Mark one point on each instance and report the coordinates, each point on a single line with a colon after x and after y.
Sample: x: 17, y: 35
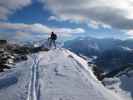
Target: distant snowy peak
x: 93, y: 46
x: 127, y: 49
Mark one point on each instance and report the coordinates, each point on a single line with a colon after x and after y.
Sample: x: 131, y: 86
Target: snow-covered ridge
x: 54, y: 75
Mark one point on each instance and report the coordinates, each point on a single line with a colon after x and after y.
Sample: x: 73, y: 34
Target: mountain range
x: 110, y: 53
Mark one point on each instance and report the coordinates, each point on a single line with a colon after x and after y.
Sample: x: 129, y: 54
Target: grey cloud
x: 9, y: 6
x: 113, y: 13
x: 23, y: 30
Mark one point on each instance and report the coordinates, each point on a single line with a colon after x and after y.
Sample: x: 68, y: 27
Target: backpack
x: 53, y: 36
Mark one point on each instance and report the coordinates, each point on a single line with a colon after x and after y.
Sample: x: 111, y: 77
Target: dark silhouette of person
x: 52, y: 39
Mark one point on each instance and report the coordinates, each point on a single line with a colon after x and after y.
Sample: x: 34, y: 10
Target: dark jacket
x: 53, y: 36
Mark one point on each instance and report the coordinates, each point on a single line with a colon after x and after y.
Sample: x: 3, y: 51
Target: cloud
x: 9, y: 6
x: 68, y: 30
x: 37, y: 29
x: 116, y: 14
x: 130, y: 33
x: 96, y: 25
x: 53, y: 18
x: 93, y: 24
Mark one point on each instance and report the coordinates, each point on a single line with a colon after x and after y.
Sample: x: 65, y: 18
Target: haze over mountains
x: 110, y: 53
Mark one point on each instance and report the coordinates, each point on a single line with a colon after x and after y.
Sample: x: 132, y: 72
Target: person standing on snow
x: 52, y: 39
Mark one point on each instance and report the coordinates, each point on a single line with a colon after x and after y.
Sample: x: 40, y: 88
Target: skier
x: 52, y: 39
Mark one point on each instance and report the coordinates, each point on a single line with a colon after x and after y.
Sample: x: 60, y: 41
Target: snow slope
x: 55, y: 75
x: 122, y: 85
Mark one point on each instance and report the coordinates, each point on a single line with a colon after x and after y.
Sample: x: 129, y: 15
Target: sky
x: 35, y: 19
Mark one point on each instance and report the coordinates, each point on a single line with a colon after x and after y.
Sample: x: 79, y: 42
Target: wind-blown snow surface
x: 122, y: 85
x: 55, y: 75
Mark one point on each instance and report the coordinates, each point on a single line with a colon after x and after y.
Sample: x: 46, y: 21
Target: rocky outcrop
x: 13, y: 53
x: 6, y: 60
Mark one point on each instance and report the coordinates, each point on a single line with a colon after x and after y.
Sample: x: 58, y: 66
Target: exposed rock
x: 3, y: 42
x: 98, y: 73
x: 11, y: 53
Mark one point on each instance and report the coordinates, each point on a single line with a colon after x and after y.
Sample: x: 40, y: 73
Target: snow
x: 14, y: 82
x: 121, y: 85
x: 127, y: 48
x: 54, y: 75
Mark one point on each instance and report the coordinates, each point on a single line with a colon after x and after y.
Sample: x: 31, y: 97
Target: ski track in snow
x: 34, y: 87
